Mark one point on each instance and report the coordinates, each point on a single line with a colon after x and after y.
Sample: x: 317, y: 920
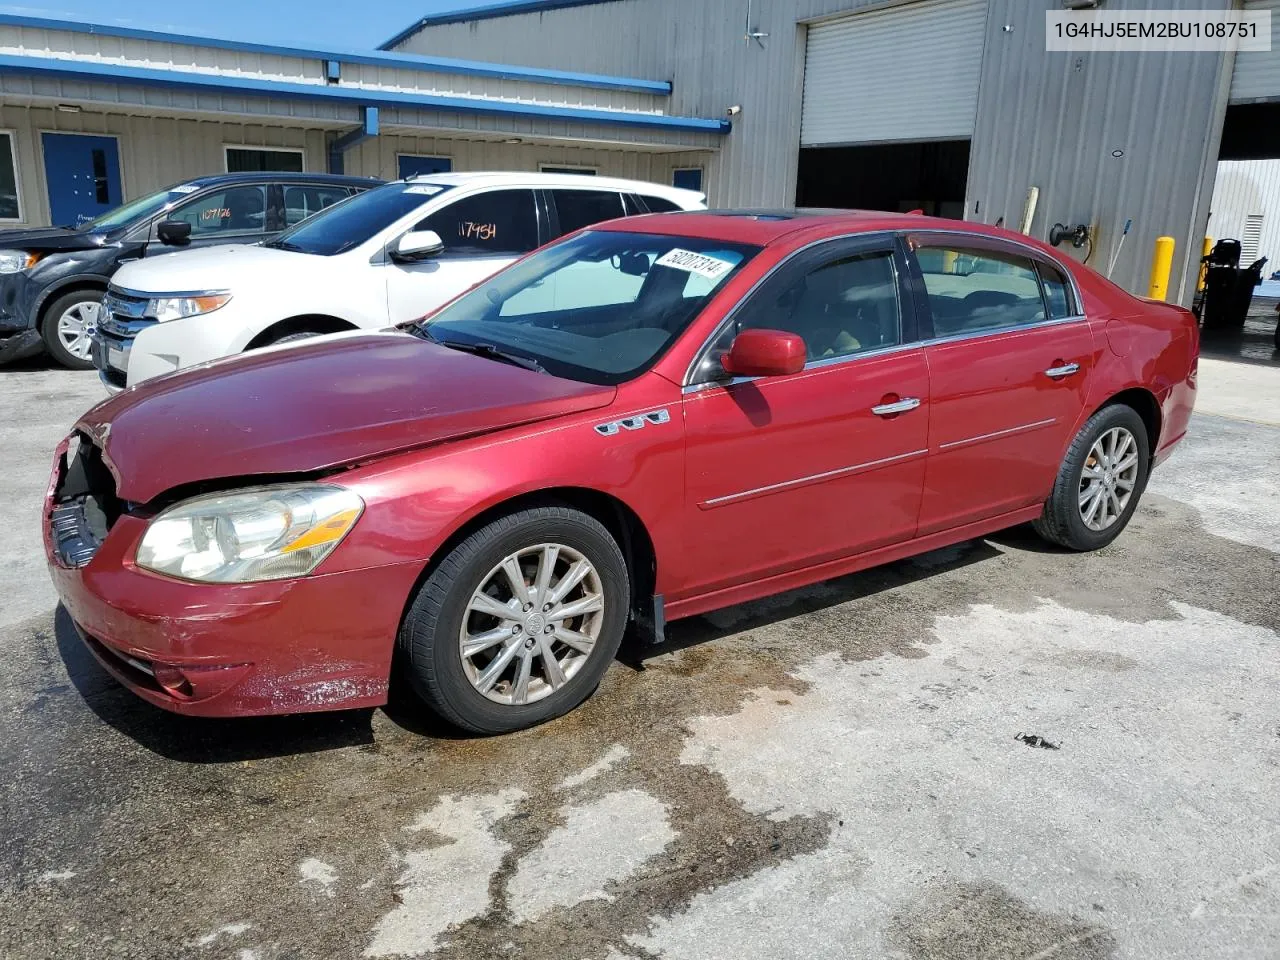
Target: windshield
x: 140, y: 209
x: 600, y: 307
x: 349, y: 223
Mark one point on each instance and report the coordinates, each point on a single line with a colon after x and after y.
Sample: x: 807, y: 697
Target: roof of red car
x: 763, y: 227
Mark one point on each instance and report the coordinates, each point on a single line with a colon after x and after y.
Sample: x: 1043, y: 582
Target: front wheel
x: 519, y: 622
x: 1100, y: 482
x: 69, y: 327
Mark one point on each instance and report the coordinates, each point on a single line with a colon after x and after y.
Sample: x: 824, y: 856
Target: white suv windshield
x: 600, y: 307
x: 349, y: 223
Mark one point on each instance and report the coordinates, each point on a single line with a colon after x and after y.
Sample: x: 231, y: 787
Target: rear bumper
x: 228, y: 650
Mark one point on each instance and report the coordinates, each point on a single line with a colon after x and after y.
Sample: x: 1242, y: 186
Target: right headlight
x: 193, y: 305
x: 15, y: 261
x: 264, y: 533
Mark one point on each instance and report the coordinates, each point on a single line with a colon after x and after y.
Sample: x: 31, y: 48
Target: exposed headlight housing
x: 264, y: 533
x: 187, y: 305
x: 15, y: 261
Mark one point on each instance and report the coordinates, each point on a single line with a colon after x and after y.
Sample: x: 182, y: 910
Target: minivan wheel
x: 69, y: 326
x: 1100, y: 482
x: 519, y: 622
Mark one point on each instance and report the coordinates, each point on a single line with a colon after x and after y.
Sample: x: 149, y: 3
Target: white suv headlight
x: 15, y: 261
x: 264, y: 533
x: 190, y: 305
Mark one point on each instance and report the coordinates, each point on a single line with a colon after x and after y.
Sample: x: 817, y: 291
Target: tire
x: 431, y: 636
x: 1064, y: 520
x: 82, y: 305
x: 293, y: 337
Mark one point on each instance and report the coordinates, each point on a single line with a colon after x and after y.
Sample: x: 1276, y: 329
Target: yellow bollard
x: 1204, y: 267
x: 1161, y: 266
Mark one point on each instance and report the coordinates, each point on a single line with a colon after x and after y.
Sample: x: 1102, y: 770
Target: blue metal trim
x: 406, y: 61
x: 185, y: 80
x: 501, y: 8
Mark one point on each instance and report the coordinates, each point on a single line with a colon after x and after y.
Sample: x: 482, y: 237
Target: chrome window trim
x: 1034, y: 252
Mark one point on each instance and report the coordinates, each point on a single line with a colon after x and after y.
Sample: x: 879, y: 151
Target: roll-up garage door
x: 904, y: 73
x: 1257, y: 74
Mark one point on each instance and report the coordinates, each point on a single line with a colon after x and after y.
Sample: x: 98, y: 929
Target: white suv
x: 383, y: 257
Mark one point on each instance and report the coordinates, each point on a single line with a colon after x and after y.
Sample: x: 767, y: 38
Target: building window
x: 410, y: 165
x: 579, y: 171
x: 260, y: 159
x: 10, y: 201
x: 689, y: 178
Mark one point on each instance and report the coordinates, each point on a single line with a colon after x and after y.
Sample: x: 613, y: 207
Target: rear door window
x: 583, y: 208
x: 301, y: 200
x: 977, y: 290
x: 494, y: 223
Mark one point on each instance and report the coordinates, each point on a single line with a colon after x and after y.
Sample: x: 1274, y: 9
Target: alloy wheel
x: 77, y: 326
x: 1108, y: 479
x: 531, y: 624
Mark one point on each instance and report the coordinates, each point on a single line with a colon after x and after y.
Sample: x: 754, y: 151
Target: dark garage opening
x: 1251, y: 132
x: 900, y: 177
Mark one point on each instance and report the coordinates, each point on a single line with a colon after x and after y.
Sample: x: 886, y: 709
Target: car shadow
x: 212, y: 741
x: 694, y: 631
x: 197, y: 739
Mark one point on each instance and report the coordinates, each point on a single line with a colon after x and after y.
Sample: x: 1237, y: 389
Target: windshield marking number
x: 637, y: 422
x: 477, y: 231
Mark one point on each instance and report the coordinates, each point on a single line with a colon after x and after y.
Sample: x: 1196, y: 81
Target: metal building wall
x: 377, y: 157
x: 1056, y: 120
x: 697, y: 45
x: 154, y: 151
x: 1045, y: 120
x: 1246, y: 187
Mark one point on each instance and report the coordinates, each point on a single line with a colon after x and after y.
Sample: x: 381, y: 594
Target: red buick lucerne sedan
x: 643, y: 421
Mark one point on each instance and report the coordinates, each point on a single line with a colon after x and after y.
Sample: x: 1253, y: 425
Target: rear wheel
x: 1100, y: 482
x: 519, y: 622
x: 69, y: 326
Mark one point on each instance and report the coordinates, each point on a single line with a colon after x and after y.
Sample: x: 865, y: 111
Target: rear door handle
x: 900, y: 406
x: 1066, y: 370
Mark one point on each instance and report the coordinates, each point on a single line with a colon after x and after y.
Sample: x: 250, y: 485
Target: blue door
x: 83, y: 174
x: 413, y: 166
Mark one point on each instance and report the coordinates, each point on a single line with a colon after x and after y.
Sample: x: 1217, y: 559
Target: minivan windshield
x: 141, y: 209
x: 600, y: 307
x: 351, y: 222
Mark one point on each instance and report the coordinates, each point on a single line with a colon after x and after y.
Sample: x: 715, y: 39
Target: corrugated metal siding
x: 1246, y: 188
x: 700, y: 47
x: 1054, y: 120
x: 933, y: 52
x: 151, y: 54
x: 377, y: 157
x: 154, y: 151
x: 1257, y: 74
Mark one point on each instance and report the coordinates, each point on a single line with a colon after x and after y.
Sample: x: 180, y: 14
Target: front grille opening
x: 113, y: 376
x: 85, y: 505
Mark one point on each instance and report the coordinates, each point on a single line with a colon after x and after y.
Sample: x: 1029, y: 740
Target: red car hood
x: 315, y: 406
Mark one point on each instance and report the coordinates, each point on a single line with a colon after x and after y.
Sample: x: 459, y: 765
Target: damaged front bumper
x: 322, y: 642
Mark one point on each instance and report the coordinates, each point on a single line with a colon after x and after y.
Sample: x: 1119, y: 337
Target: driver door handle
x: 1066, y: 370
x: 900, y: 406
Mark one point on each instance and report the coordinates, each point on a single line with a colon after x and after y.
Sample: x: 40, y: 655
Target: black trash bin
x: 1228, y: 287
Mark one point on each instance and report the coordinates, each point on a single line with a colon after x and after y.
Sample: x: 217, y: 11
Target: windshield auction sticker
x: 690, y: 262
x: 1150, y: 31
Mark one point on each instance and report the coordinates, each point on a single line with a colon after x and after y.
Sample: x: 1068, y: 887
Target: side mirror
x: 174, y: 233
x: 765, y: 353
x: 417, y: 245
